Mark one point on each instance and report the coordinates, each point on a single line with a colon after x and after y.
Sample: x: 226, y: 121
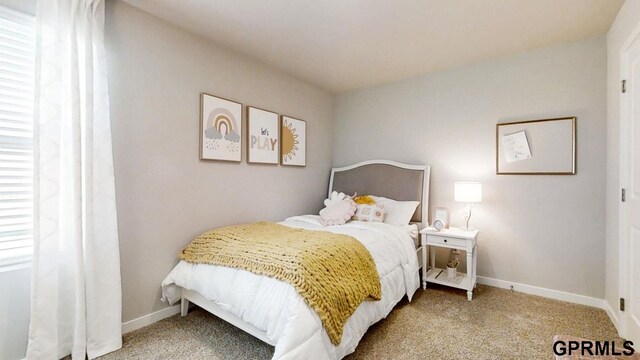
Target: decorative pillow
x: 339, y: 209
x: 364, y: 200
x: 396, y: 212
x: 334, y: 198
x: 370, y: 213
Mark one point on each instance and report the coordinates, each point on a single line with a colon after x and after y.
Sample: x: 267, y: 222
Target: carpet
x: 438, y: 324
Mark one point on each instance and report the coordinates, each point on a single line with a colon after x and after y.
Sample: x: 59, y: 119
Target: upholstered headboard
x: 386, y: 178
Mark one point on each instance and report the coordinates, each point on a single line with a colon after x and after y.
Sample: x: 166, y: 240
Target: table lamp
x: 467, y: 192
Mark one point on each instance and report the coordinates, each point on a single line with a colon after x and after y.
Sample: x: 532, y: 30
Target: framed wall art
x: 441, y: 214
x: 536, y: 147
x: 220, y: 129
x: 294, y: 141
x: 263, y: 136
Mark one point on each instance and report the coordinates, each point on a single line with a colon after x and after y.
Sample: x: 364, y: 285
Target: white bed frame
x: 210, y: 306
x: 215, y: 309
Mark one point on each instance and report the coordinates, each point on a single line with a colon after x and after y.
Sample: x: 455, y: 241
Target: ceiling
x: 340, y: 45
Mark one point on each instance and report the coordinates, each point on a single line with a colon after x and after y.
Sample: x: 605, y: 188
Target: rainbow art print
x: 220, y: 129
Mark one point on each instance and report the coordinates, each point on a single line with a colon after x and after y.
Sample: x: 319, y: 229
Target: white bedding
x: 276, y: 308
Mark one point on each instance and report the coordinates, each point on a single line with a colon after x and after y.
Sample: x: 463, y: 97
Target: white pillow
x: 396, y: 212
x: 412, y: 230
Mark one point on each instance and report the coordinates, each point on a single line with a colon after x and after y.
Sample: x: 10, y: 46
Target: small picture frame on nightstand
x: 441, y: 214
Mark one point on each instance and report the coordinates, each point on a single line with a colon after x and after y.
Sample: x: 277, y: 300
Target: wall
x: 627, y: 23
x: 15, y: 287
x: 544, y: 231
x: 165, y: 195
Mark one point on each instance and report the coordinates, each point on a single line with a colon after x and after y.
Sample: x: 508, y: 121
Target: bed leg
x: 184, y: 307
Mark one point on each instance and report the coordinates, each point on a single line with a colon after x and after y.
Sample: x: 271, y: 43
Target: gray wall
x: 15, y: 287
x: 545, y: 231
x: 626, y: 25
x: 165, y: 195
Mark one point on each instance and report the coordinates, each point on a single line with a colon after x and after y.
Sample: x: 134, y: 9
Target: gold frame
x: 202, y: 94
x: 278, y: 126
x: 305, y: 141
x: 573, y: 145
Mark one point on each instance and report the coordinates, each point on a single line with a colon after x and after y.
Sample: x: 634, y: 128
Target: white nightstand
x: 452, y: 238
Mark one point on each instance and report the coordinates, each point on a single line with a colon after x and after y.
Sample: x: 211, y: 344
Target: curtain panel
x: 76, y: 300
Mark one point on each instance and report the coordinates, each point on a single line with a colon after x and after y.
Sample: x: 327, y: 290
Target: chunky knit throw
x: 334, y: 273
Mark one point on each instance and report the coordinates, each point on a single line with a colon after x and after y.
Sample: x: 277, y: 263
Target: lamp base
x: 467, y: 218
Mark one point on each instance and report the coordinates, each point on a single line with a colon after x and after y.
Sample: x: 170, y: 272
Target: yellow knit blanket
x: 334, y: 273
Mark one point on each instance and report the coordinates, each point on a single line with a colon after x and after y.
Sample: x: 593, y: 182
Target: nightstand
x: 452, y: 238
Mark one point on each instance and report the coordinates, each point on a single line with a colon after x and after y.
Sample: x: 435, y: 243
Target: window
x: 17, y: 67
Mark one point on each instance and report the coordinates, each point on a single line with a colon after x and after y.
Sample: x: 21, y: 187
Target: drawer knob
x: 445, y: 240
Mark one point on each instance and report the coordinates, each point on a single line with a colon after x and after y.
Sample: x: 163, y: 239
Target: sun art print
x: 289, y: 140
x: 293, y: 141
x: 221, y: 129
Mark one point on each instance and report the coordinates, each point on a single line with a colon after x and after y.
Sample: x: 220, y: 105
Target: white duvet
x: 276, y: 308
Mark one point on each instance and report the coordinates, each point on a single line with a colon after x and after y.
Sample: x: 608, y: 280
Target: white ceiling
x: 341, y: 45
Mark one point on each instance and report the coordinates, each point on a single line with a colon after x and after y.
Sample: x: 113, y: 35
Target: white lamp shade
x: 467, y: 192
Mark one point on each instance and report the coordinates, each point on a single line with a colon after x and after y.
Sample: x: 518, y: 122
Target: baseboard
x: 149, y: 319
x: 543, y: 292
x: 613, y: 316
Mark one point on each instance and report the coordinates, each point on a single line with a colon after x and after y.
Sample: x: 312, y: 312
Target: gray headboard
x: 386, y: 178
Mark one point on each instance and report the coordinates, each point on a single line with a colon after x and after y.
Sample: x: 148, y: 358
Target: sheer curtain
x: 76, y: 300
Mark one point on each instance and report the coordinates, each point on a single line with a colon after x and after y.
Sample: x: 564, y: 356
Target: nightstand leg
x: 470, y: 274
x: 475, y: 267
x: 432, y: 254
x: 425, y: 265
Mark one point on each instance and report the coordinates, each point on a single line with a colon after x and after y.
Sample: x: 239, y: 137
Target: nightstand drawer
x: 445, y: 240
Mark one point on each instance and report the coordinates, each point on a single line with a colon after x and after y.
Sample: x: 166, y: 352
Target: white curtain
x: 76, y: 300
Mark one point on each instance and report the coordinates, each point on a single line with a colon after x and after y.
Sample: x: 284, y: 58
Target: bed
x: 272, y: 310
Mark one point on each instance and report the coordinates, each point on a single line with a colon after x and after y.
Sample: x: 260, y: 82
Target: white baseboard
x: 149, y: 319
x: 544, y: 292
x: 613, y: 315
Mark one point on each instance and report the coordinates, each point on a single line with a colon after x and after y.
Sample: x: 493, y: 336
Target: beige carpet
x: 439, y: 324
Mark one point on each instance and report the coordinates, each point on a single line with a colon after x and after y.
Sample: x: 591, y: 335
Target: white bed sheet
x: 276, y: 308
